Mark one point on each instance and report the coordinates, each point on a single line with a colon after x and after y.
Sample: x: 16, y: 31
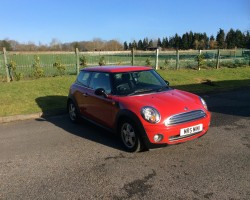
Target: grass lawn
x: 48, y: 94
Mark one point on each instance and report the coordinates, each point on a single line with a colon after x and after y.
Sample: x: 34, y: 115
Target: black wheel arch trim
x: 127, y: 114
x: 72, y: 98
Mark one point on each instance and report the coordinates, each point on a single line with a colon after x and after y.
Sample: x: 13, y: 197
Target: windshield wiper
x: 140, y: 91
x: 162, y: 88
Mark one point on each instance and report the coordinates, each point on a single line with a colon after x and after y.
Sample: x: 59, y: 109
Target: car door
x: 81, y: 89
x: 100, y: 108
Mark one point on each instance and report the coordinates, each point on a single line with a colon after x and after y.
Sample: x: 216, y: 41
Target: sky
x: 40, y: 21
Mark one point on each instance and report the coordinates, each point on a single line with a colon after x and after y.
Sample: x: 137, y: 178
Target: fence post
x: 6, y: 65
x: 177, y: 59
x: 133, y: 56
x: 218, y: 59
x: 156, y: 58
x: 77, y: 61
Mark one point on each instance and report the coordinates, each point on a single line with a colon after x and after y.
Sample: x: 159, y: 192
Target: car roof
x: 114, y: 69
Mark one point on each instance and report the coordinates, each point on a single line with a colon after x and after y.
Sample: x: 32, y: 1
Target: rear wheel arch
x: 70, y: 104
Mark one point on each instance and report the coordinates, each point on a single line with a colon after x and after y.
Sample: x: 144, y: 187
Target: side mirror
x: 101, y: 92
x: 167, y: 83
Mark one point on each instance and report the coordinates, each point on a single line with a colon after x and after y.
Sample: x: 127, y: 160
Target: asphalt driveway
x: 54, y: 159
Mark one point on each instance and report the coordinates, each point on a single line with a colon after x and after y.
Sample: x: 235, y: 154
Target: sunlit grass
x: 48, y: 94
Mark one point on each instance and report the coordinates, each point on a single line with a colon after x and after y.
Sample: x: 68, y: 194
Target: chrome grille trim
x: 185, y: 117
x: 176, y: 138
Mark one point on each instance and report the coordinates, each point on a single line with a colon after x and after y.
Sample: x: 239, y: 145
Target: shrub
x: 12, y: 70
x: 59, y: 66
x: 165, y: 64
x: 83, y: 61
x: 200, y: 59
x: 211, y: 64
x: 148, y: 62
x: 38, y: 71
x: 102, y: 61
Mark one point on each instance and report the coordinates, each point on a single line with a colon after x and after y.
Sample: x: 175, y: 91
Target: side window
x: 100, y: 80
x: 83, y: 78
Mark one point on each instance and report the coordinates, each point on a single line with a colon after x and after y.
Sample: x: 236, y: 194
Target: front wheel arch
x: 130, y: 136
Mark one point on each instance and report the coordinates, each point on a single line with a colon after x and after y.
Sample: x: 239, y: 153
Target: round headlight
x: 150, y: 114
x: 203, y: 103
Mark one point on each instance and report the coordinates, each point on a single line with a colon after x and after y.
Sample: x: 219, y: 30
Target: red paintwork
x: 167, y: 103
x: 114, y: 69
x: 104, y: 110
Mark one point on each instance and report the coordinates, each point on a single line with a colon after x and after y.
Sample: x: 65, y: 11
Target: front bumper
x: 171, y: 134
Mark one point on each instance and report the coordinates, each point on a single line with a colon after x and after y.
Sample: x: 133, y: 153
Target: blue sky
x: 124, y: 20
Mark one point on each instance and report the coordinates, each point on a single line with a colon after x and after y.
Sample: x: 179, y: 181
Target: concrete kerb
x: 13, y: 118
x: 20, y: 117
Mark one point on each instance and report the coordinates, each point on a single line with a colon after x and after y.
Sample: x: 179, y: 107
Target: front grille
x: 178, y: 137
x: 185, y: 117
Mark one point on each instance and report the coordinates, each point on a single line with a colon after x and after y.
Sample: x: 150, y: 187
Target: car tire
x: 73, y: 112
x: 130, y: 136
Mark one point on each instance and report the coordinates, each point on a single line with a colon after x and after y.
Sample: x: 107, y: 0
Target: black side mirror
x: 101, y: 92
x: 167, y: 83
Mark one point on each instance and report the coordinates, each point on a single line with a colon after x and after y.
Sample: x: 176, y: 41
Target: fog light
x: 158, y: 137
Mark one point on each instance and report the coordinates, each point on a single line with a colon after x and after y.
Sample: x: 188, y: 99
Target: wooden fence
x: 72, y: 62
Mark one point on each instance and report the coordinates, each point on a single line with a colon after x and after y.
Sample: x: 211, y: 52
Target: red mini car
x: 138, y: 104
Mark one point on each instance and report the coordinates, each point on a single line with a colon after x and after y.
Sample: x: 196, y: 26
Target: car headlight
x: 203, y: 103
x: 150, y: 114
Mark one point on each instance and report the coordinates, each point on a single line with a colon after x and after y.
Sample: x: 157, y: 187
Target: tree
x: 190, y: 40
x: 184, y: 41
x: 177, y: 41
x: 165, y: 43
x: 140, y: 45
x: 206, y: 41
x: 239, y: 39
x: 212, y: 42
x: 159, y: 44
x: 55, y: 44
x: 145, y: 43
x: 171, y: 42
x: 130, y: 46
x: 150, y: 44
x: 112, y: 45
x: 196, y: 44
x: 6, y: 44
x: 230, y: 39
x: 125, y: 46
x: 247, y: 39
x: 220, y: 39
x: 134, y: 44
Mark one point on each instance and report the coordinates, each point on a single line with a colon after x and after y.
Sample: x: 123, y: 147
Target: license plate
x: 191, y: 130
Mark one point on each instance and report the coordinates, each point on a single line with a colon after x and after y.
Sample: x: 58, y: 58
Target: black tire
x: 73, y: 112
x: 130, y: 136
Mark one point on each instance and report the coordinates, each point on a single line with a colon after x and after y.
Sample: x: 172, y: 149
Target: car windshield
x: 139, y: 82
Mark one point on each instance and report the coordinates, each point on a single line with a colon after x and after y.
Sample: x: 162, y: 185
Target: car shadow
x: 82, y: 129
x: 234, y: 102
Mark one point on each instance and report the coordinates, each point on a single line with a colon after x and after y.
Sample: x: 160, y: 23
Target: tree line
x: 189, y: 40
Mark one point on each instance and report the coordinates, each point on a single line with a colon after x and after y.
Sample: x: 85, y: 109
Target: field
x: 49, y: 94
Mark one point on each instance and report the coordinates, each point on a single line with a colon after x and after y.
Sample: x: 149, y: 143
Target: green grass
x: 49, y: 94
x: 208, y: 80
x: 33, y: 96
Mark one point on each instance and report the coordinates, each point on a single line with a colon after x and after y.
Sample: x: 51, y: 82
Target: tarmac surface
x: 51, y: 158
